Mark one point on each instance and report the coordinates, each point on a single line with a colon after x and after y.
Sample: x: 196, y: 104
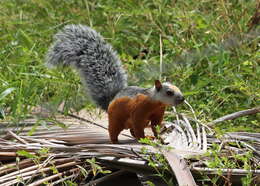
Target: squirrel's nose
x: 180, y: 98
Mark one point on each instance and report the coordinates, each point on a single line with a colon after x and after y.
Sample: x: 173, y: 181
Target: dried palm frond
x: 53, y: 154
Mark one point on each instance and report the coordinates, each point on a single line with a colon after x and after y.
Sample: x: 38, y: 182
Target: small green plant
x: 28, y: 155
x: 231, y: 160
x: 96, y: 168
x: 247, y: 180
x: 157, y: 160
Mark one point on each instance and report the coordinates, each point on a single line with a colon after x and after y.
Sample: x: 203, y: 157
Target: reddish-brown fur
x: 134, y: 114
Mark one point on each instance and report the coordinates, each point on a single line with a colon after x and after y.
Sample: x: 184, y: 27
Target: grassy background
x: 209, y: 51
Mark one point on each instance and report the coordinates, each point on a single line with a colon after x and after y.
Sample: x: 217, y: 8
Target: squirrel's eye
x: 169, y: 93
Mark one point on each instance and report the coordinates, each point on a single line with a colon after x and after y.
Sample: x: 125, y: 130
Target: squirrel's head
x: 167, y: 93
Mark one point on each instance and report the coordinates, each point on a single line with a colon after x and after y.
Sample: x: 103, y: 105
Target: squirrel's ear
x: 158, y: 85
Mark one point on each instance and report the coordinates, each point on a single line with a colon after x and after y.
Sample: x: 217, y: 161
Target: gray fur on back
x: 99, y: 66
x: 132, y: 91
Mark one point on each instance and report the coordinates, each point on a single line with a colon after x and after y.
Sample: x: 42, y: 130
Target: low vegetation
x: 210, y: 50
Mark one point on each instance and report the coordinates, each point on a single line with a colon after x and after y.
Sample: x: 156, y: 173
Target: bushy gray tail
x: 99, y: 66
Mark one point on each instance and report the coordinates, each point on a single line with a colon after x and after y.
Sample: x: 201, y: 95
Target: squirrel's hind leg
x: 114, y: 129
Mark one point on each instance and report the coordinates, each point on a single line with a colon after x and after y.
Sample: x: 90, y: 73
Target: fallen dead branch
x: 235, y: 115
x: 180, y: 169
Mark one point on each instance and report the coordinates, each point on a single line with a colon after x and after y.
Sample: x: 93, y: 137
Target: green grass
x: 206, y: 52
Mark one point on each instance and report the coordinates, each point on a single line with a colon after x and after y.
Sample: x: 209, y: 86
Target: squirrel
x: 105, y: 80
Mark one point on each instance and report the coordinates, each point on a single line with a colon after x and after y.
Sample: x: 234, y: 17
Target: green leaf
x: 54, y: 170
x: 191, y: 93
x: 26, y: 154
x: 6, y: 92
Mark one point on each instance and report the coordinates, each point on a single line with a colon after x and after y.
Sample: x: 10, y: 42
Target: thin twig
x: 17, y: 137
x: 91, y: 122
x: 235, y: 115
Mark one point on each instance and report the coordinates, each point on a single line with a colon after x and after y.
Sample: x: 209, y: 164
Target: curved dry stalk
x: 189, y: 140
x: 194, y: 137
x: 204, y: 139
